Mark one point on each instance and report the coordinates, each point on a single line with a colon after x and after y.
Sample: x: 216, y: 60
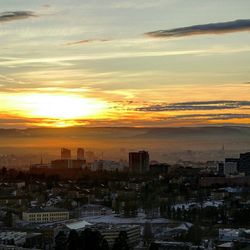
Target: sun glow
x: 61, y: 106
x: 54, y: 106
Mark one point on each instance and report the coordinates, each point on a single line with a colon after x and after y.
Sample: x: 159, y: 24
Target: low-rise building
x: 168, y: 245
x: 230, y: 235
x: 94, y: 210
x: 43, y: 215
x: 19, y: 239
x: 111, y: 232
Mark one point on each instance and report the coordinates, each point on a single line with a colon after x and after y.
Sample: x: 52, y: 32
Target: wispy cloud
x: 225, y: 116
x: 184, y: 106
x: 119, y: 55
x: 87, y: 41
x: 204, y: 29
x: 15, y: 15
x: 104, y: 56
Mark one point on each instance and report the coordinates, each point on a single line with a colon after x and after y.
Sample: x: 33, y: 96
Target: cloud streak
x: 15, y: 15
x: 87, y: 41
x: 185, y: 106
x: 64, y: 60
x: 204, y: 29
x: 226, y: 116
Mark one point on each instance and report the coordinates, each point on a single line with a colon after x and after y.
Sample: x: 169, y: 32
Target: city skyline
x: 138, y: 63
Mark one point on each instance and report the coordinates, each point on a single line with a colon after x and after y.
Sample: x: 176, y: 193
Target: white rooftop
x: 77, y: 225
x: 114, y: 219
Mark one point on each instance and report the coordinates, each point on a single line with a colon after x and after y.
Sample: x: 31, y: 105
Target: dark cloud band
x: 15, y: 15
x: 184, y: 106
x: 211, y: 28
x: 214, y: 116
x: 87, y: 41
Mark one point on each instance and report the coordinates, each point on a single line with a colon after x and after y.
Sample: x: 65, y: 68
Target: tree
x: 60, y: 241
x: 96, y: 239
x: 117, y: 206
x: 169, y: 214
x: 8, y: 219
x: 92, y: 240
x: 194, y: 235
x: 4, y: 171
x: 73, y: 240
x: 83, y: 239
x: 147, y: 233
x: 104, y: 244
x: 121, y: 242
x: 153, y: 246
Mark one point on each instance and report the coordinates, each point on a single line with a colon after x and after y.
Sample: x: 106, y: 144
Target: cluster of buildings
x: 138, y: 163
x: 66, y: 166
x: 70, y: 167
x: 232, y: 171
x: 153, y: 203
x: 235, y: 166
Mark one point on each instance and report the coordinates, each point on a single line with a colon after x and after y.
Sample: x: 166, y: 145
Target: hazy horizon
x: 163, y: 144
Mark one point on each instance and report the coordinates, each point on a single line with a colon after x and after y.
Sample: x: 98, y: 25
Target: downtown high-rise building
x: 244, y: 163
x: 65, y: 154
x: 139, y: 162
x: 80, y: 154
x: 231, y: 166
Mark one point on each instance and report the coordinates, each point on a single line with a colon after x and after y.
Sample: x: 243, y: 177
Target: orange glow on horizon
x: 58, y: 110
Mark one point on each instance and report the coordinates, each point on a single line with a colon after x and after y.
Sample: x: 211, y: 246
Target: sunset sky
x: 124, y: 63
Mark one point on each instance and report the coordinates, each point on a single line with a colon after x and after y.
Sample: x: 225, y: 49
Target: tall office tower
x: 231, y: 166
x: 244, y: 163
x: 220, y: 168
x: 90, y: 156
x: 80, y: 154
x: 65, y: 154
x: 139, y: 162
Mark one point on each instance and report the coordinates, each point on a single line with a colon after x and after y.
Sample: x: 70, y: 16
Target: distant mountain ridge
x: 129, y: 132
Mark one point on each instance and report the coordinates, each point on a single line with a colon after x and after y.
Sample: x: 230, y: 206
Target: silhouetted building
x: 80, y: 154
x: 90, y: 156
x: 220, y: 168
x: 65, y: 154
x: 159, y: 168
x: 215, y: 181
x: 244, y: 163
x: 64, y: 169
x: 139, y: 161
x: 62, y: 164
x: 231, y: 166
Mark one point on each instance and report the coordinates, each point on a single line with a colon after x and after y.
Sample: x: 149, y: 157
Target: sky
x: 142, y: 63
